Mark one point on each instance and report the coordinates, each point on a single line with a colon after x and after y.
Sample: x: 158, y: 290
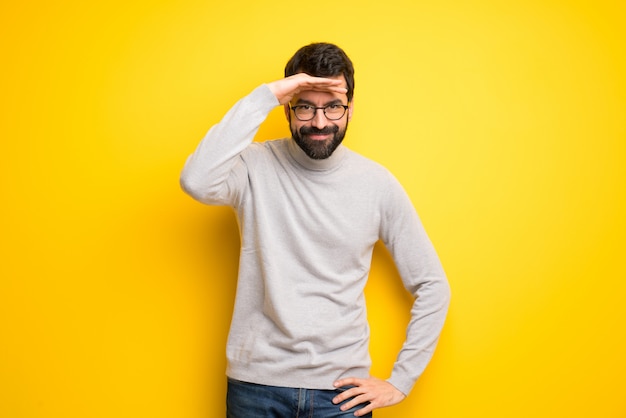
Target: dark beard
x: 318, y: 150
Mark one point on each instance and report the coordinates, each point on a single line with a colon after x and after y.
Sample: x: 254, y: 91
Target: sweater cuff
x: 402, y: 384
x: 265, y: 96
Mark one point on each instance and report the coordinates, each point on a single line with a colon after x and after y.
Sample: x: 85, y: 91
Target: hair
x: 322, y: 60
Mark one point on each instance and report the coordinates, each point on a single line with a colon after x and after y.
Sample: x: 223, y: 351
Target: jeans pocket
x: 351, y: 411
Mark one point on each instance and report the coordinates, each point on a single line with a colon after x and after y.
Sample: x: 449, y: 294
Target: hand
x: 379, y: 393
x: 284, y: 89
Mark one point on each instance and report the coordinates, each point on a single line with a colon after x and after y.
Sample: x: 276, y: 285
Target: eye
x: 306, y: 107
x: 334, y: 107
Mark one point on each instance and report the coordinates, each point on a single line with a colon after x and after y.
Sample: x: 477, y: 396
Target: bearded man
x: 310, y: 212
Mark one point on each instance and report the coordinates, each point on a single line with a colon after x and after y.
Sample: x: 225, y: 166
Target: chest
x: 340, y: 211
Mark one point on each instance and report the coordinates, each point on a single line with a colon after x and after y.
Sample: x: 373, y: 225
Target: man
x: 310, y: 212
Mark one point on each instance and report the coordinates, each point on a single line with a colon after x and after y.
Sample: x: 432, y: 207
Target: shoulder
x: 379, y: 181
x: 273, y: 147
x: 370, y: 169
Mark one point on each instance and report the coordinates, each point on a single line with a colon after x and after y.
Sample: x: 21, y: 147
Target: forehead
x: 322, y: 97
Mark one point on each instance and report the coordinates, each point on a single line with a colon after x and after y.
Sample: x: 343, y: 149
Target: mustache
x: 311, y: 130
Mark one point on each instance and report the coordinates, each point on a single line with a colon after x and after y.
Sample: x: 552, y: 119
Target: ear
x: 287, y: 112
x: 350, y: 109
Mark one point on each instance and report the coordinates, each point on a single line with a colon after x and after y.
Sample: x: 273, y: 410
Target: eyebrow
x: 306, y: 102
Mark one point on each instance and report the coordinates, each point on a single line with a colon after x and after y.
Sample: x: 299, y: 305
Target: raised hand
x: 285, y: 89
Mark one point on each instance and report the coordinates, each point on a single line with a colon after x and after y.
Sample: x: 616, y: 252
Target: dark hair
x: 322, y: 60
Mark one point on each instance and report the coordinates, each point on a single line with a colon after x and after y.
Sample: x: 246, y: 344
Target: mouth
x: 318, y: 134
x: 319, y: 137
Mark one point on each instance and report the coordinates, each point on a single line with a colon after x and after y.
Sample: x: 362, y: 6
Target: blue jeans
x: 249, y: 400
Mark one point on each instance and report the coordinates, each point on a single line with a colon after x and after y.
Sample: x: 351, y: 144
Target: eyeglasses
x: 307, y: 112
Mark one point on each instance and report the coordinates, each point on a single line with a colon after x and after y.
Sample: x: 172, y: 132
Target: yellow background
x: 504, y: 120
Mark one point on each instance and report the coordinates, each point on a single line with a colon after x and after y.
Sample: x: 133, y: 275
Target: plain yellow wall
x: 504, y: 120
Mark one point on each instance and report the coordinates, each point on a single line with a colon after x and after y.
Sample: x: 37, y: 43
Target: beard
x: 316, y: 149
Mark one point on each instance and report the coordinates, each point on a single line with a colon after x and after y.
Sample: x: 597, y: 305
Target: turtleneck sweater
x: 308, y: 229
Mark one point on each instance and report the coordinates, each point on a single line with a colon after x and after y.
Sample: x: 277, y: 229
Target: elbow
x: 444, y: 289
x: 447, y: 294
x: 186, y: 184
x: 191, y: 187
x: 203, y: 191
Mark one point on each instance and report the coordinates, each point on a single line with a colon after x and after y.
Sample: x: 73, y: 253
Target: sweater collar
x: 316, y: 165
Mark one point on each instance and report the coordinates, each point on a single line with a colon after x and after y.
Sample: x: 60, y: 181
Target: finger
x: 317, y: 81
x: 347, y: 394
x: 324, y: 87
x: 307, y: 82
x: 332, y: 89
x: 306, y: 78
x: 364, y: 411
x: 348, y: 381
x: 356, y: 401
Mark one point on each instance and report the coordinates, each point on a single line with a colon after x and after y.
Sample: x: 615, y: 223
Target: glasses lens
x: 334, y: 112
x: 304, y: 112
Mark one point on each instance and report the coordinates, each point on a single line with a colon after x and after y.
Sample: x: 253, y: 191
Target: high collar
x: 316, y: 165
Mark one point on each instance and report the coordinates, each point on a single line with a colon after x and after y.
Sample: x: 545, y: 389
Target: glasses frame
x: 316, y: 108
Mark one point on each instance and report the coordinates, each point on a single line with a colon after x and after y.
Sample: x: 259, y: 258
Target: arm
x: 209, y: 169
x: 423, y: 276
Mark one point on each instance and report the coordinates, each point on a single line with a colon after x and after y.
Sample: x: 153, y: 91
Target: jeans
x: 249, y: 400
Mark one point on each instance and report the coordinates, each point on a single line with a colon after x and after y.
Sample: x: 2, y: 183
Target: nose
x: 319, y: 119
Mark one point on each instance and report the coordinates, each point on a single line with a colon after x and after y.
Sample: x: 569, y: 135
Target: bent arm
x: 209, y: 175
x: 423, y: 276
x: 207, y: 172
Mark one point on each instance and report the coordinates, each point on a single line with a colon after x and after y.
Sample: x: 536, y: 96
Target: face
x: 319, y: 137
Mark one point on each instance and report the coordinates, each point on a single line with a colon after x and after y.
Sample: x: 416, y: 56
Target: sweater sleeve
x: 212, y: 174
x: 423, y: 276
